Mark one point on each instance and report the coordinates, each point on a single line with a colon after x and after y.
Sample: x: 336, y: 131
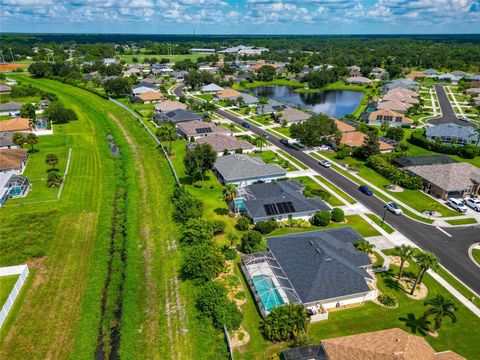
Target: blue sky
x: 242, y: 16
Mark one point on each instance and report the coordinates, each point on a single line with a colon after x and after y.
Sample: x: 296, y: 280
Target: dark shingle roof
x: 11, y: 106
x: 423, y: 160
x: 239, y: 167
x: 322, y: 264
x: 178, y: 115
x: 314, y: 352
x: 258, y: 195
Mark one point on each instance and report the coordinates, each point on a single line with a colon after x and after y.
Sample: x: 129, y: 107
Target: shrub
x: 197, y: 231
x: 252, y: 242
x: 218, y: 226
x: 382, y: 165
x: 285, y: 322
x: 243, y: 224
x: 186, y: 206
x: 468, y: 151
x: 338, y: 215
x: 54, y: 179
x: 387, y: 299
x: 322, y: 218
x: 322, y: 194
x: 203, y: 262
x: 230, y: 254
x: 265, y: 227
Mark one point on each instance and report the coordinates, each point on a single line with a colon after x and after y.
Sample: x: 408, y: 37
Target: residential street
x: 452, y: 250
x: 448, y: 114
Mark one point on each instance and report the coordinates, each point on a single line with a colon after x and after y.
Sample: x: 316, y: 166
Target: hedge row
x: 468, y: 151
x: 382, y: 166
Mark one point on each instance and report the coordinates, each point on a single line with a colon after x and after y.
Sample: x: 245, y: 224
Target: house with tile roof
x: 451, y: 133
x: 13, y: 160
x: 198, y: 129
x: 244, y: 170
x: 149, y: 97
x: 344, y: 127
x: 389, y: 344
x: 394, y: 105
x: 398, y: 95
x: 15, y: 125
x: 357, y: 138
x: 227, y: 93
x: 169, y: 105
x: 393, y: 118
x: 222, y: 143
x: 360, y: 80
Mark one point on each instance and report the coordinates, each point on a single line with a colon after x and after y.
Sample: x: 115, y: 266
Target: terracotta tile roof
x: 403, y: 91
x: 416, y: 75
x: 356, y: 139
x: 392, y: 344
x: 11, y: 159
x: 393, y: 105
x: 170, y: 105
x: 189, y: 128
x: 358, y: 80
x: 16, y: 125
x: 448, y: 355
x: 259, y: 65
x: 221, y: 142
x: 150, y: 96
x: 373, y: 116
x: 228, y: 93
x: 344, y: 127
x: 400, y: 96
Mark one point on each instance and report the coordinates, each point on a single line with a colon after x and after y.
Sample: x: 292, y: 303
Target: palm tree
x: 426, y: 260
x: 364, y: 246
x: 263, y: 101
x: 260, y: 142
x: 240, y: 102
x: 405, y: 253
x: 167, y: 132
x: 440, y: 307
x: 208, y: 107
x: 229, y: 193
x: 31, y: 140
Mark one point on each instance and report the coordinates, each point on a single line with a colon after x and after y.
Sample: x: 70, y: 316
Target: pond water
x: 335, y: 103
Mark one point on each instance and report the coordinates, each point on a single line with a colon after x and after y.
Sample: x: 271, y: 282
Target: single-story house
x: 395, y: 95
x: 13, y: 160
x: 244, y: 170
x: 10, y: 108
x: 376, y: 118
x: 272, y: 106
x: 109, y: 61
x: 228, y: 93
x: 356, y: 138
x: 377, y: 72
x: 249, y: 99
x: 198, y: 129
x: 15, y: 125
x: 133, y: 71
x: 402, y: 92
x: 389, y: 344
x: 211, y: 89
x: 279, y: 200
x: 394, y: 105
x: 319, y: 269
x: 473, y: 91
x: 91, y: 76
x: 415, y: 75
x: 355, y: 70
x: 5, y: 89
x: 6, y: 140
x: 292, y: 115
x: 400, y: 83
x: 179, y: 115
x: 431, y: 72
x: 142, y: 89
x: 448, y: 180
x: 149, y: 97
x: 179, y: 76
x: 151, y: 81
x: 221, y: 142
x: 459, y: 73
x: 358, y: 80
x: 405, y: 161
x: 169, y: 105
x: 451, y: 133
x: 344, y: 127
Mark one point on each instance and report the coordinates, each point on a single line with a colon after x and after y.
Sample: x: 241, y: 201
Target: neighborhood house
x: 198, y: 129
x: 451, y: 133
x: 224, y: 143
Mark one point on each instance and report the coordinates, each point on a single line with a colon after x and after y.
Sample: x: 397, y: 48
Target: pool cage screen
x: 265, y: 264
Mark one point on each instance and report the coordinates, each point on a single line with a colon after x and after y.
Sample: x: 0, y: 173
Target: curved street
x: 448, y: 114
x: 452, y: 249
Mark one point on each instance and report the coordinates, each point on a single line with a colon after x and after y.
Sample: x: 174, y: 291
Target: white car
x: 457, y: 204
x: 394, y: 208
x: 325, y: 163
x: 473, y: 203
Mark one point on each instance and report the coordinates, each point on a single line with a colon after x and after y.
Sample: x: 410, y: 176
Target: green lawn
x: 6, y: 286
x: 337, y: 190
x: 270, y: 157
x: 292, y: 159
x: 283, y: 130
x: 378, y: 221
x: 462, y: 221
x: 206, y: 97
x: 460, y: 337
x: 263, y: 119
x: 355, y: 221
x: 476, y: 255
x: 305, y: 180
x: 458, y: 285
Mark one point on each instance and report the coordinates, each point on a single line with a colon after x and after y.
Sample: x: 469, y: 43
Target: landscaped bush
x: 230, y: 254
x: 387, y: 299
x: 202, y: 262
x: 265, y: 227
x: 285, y: 322
x: 24, y: 90
x: 218, y: 226
x: 54, y: 179
x: 322, y: 194
x: 321, y: 218
x: 294, y: 223
x: 382, y: 165
x: 468, y: 151
x: 186, y: 206
x: 252, y: 242
x: 197, y: 231
x: 243, y: 224
x: 338, y: 215
x: 57, y: 113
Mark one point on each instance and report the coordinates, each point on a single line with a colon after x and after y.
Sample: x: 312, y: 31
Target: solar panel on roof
x: 285, y: 207
x: 270, y: 209
x: 204, y: 130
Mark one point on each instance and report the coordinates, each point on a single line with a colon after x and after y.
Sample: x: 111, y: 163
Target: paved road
x: 448, y: 114
x: 452, y: 250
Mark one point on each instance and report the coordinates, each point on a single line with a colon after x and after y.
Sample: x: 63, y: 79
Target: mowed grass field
x: 69, y: 242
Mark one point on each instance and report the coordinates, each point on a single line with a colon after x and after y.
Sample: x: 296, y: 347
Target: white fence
x: 21, y: 270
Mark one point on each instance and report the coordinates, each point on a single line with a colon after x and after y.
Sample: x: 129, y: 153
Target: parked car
x: 366, y: 190
x: 266, y: 135
x: 457, y: 204
x: 246, y: 125
x: 394, y: 208
x: 464, y: 119
x: 325, y: 163
x: 473, y: 203
x: 323, y: 148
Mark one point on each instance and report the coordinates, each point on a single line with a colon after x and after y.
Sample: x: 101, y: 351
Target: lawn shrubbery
x: 57, y: 113
x: 186, y: 207
x: 468, y: 151
x: 338, y: 215
x: 285, y: 322
x: 322, y: 194
x: 382, y: 165
x: 197, y: 231
x: 294, y: 223
x: 321, y: 218
x: 252, y: 242
x: 387, y: 299
x: 265, y: 227
x: 243, y: 224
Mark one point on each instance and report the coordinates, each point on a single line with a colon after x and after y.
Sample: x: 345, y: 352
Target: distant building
x: 11, y: 108
x: 202, y: 50
x: 211, y: 89
x: 15, y: 125
x: 454, y: 134
x: 292, y: 115
x: 360, y: 80
x: 13, y: 160
x: 169, y: 105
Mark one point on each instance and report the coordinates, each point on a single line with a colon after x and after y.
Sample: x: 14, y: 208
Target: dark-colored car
x: 266, y: 135
x: 246, y: 125
x: 366, y: 190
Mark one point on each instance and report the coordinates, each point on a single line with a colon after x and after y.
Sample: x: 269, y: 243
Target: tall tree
x: 285, y: 322
x: 199, y: 159
x: 19, y: 139
x: 266, y: 73
x: 405, y: 253
x: 229, y: 193
x: 440, y: 307
x: 370, y: 145
x: 52, y: 160
x: 28, y: 111
x: 260, y: 142
x: 426, y: 260
x: 167, y: 132
x: 31, y: 140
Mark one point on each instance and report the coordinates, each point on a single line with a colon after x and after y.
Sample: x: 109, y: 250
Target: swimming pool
x: 15, y: 191
x: 268, y: 292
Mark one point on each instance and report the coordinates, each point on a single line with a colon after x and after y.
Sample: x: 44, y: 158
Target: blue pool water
x: 268, y: 292
x: 239, y: 205
x: 15, y: 191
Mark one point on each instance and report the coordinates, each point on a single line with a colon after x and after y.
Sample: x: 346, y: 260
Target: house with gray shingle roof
x: 451, y: 133
x: 448, y: 180
x: 318, y: 269
x: 244, y: 170
x: 260, y: 201
x: 10, y: 108
x: 211, y: 89
x: 430, y: 72
x: 179, y: 115
x: 400, y: 83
